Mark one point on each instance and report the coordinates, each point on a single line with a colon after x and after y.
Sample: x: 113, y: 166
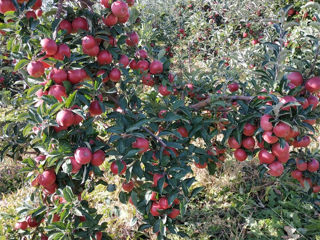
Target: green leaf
x: 21, y: 64
x: 68, y: 194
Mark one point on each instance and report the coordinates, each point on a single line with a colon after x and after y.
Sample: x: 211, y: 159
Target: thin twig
x: 156, y: 137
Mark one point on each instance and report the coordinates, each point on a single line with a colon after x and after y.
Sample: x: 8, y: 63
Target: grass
x: 236, y: 204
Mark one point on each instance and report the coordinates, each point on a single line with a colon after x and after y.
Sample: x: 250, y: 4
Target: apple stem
x: 156, y: 137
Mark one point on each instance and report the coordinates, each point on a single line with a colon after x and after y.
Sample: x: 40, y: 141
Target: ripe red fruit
x: 77, y: 118
x: 128, y: 187
x: 92, y: 52
x: 133, y: 65
x: 244, y: 35
x: 248, y: 143
x: 83, y: 155
x: 201, y: 166
x: 37, y: 5
x: 115, y: 170
x: 106, y: 3
x: 255, y: 41
x: 31, y: 14
x: 95, y: 108
x: 102, y: 72
x: 313, y: 84
x: 124, y: 61
x: 265, y: 123
x: 296, y: 174
x: 282, y: 130
x: 303, y: 181
x: 143, y: 66
x: 295, y: 78
x: 174, y: 213
x: 156, y: 67
x: 98, y: 158
x: 39, y: 12
x: 80, y: 23
x: 58, y: 75
x: 154, y: 209
x: 47, y: 178
x: 35, y: 69
x: 65, y: 25
x: 266, y: 157
x: 133, y: 39
x: 115, y: 75
x: 76, y: 76
x: 32, y: 222
x: 275, y: 169
x: 240, y: 155
x: 284, y: 158
x: 88, y: 42
x: 313, y: 166
x: 233, y: 87
x: 49, y: 46
x: 98, y: 236
x: 21, y: 225
x: 301, y: 165
x: 104, y: 57
x: 278, y: 151
x: 233, y: 143
x: 316, y: 189
x: 65, y: 118
x: 162, y: 113
x: 269, y: 137
x: 156, y: 178
x: 163, y: 202
x: 58, y: 92
x: 119, y: 8
x: 40, y: 158
x: 303, y: 142
x: 63, y: 51
x: 75, y: 165
x: 288, y: 99
x: 142, y: 144
x: 130, y: 2
x: 314, y: 101
x: 249, y: 129
x: 142, y: 54
x: 110, y: 20
x: 6, y: 6
x: 163, y: 90
x: 50, y: 189
x: 148, y: 80
x: 183, y: 132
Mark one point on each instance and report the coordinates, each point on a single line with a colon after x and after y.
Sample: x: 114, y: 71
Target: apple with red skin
x: 35, y: 69
x: 95, y: 108
x: 49, y: 46
x: 142, y: 54
x: 133, y: 39
x: 83, y: 155
x: 233, y: 143
x: 265, y: 123
x: 248, y: 143
x: 313, y: 84
x: 110, y: 20
x: 62, y: 52
x: 143, y: 66
x: 303, y: 142
x: 314, y: 101
x: 255, y: 41
x: 201, y: 166
x: 128, y: 187
x: 88, y: 42
x: 162, y: 113
x: 47, y: 178
x: 115, y: 170
x: 77, y: 118
x: 163, y: 90
x: 124, y: 19
x: 303, y: 180
x: 295, y: 78
x: 313, y: 165
x: 98, y: 158
x: 39, y: 12
x: 40, y: 158
x: 102, y: 72
x: 269, y: 137
x: 275, y: 169
x: 183, y: 132
x: 65, y: 118
x: 154, y: 209
x: 296, y: 174
x: 174, y: 213
x: 58, y: 75
x: 65, y: 25
x: 32, y: 222
x: 133, y: 65
x: 50, y: 189
x: 301, y: 165
x: 282, y: 130
x: 284, y: 158
x: 98, y: 236
x: 75, y: 165
x: 104, y: 57
x: 6, y: 6
x: 80, y: 23
x: 115, y: 75
x: 148, y: 80
x: 119, y: 8
x: 106, y: 3
x: 156, y: 67
x: 92, y: 52
x: 249, y: 129
x: 266, y: 157
x: 21, y: 225
x: 156, y: 178
x: 245, y: 35
x: 76, y: 76
x: 31, y: 14
x: 278, y: 151
x: 37, y: 5
x: 233, y: 87
x: 124, y: 61
x: 288, y: 99
x: 240, y: 155
x: 142, y: 144
x: 130, y: 2
x: 163, y: 202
